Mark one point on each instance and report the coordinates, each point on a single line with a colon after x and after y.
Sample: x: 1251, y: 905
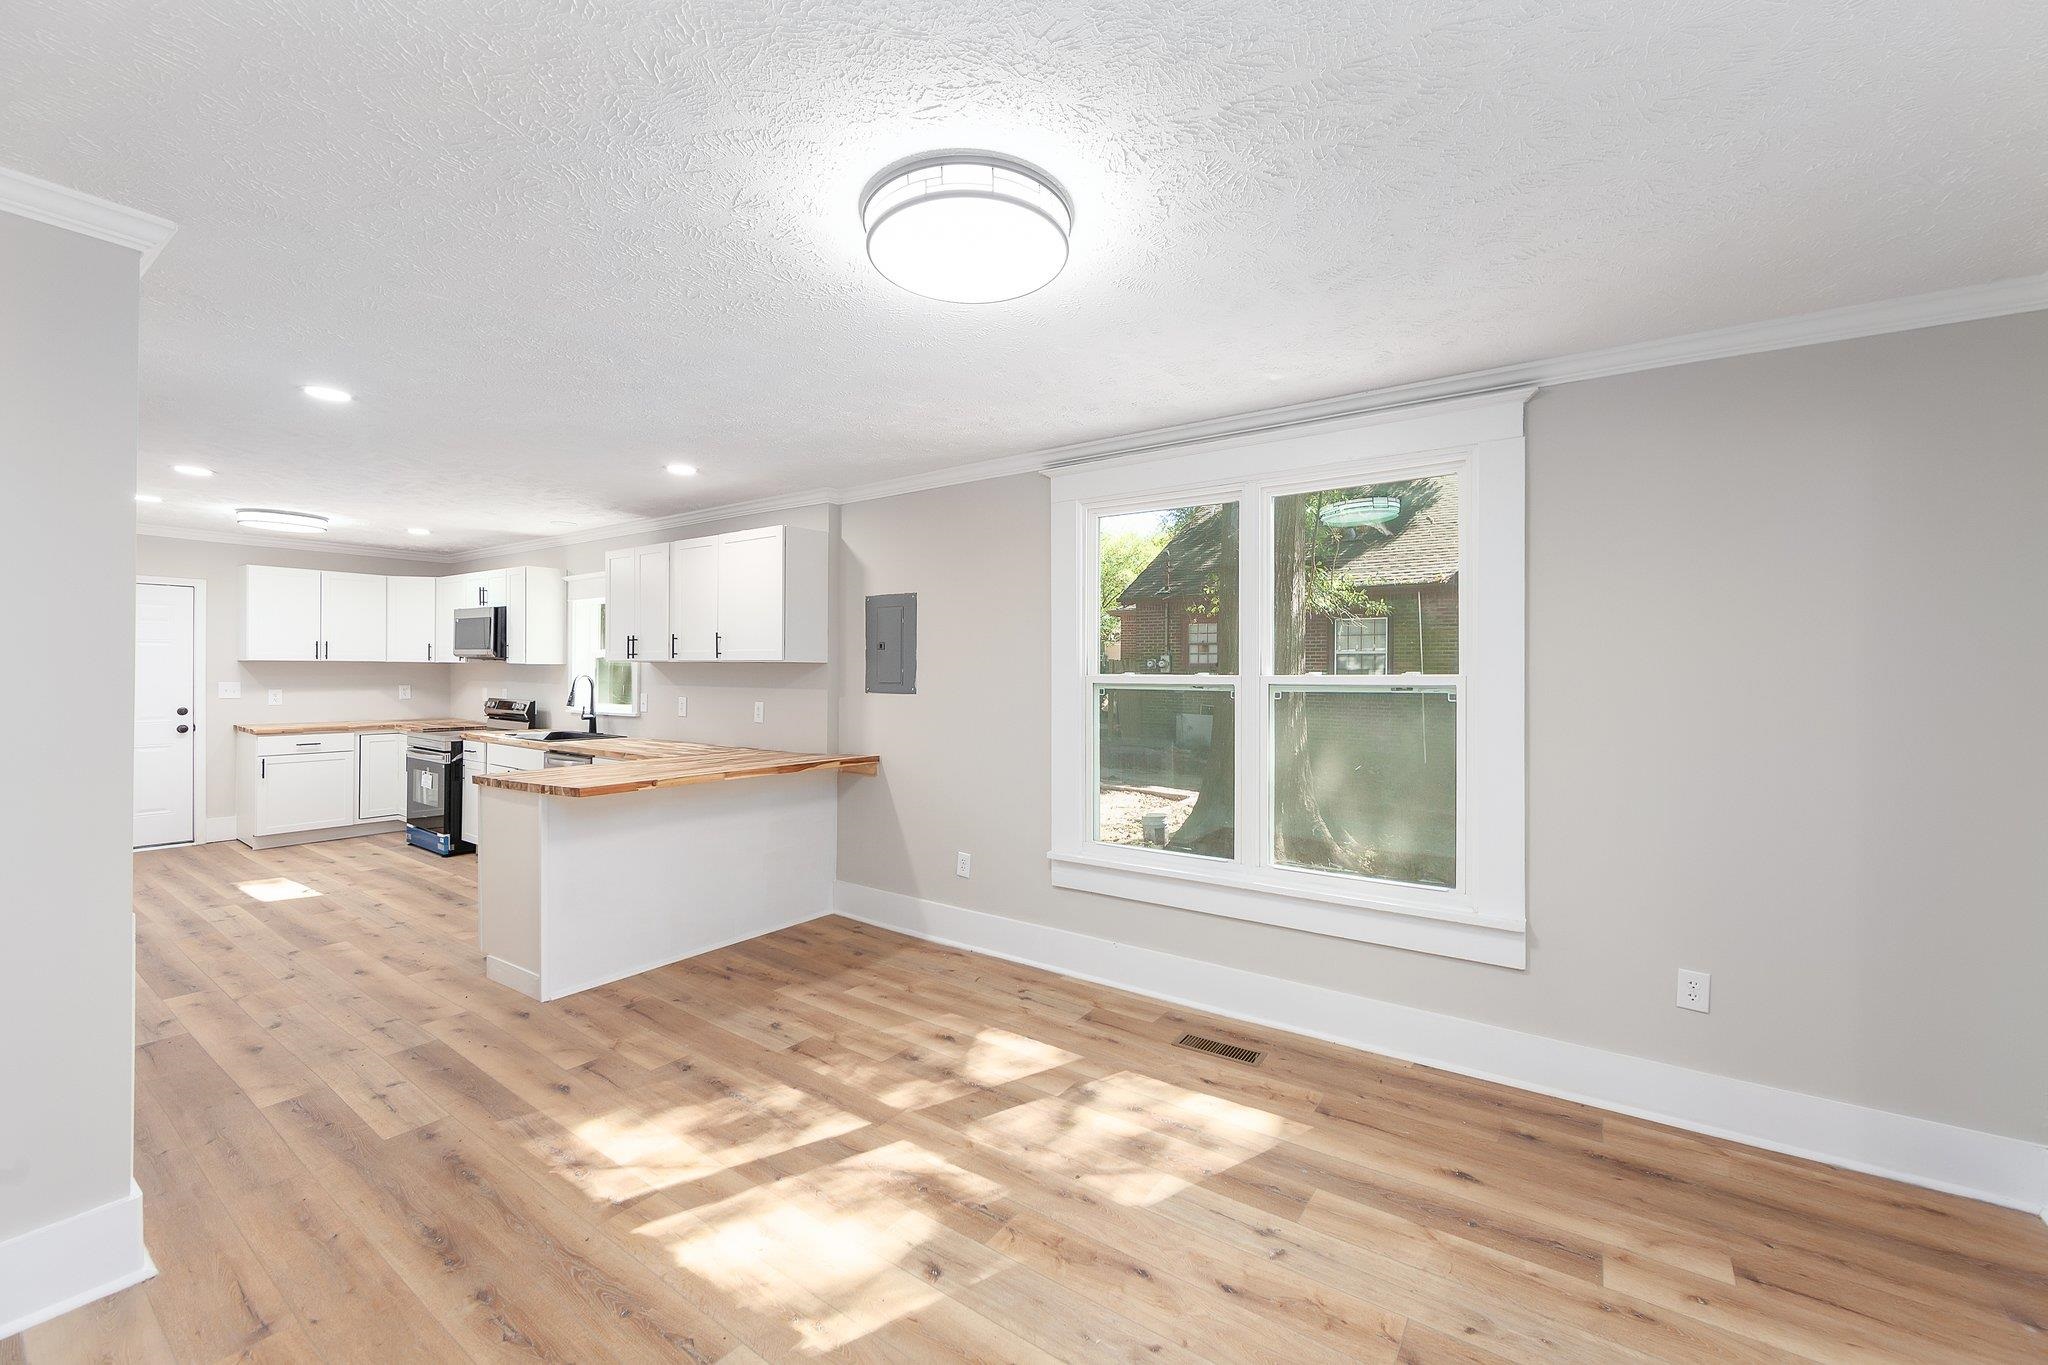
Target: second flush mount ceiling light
x: 967, y: 227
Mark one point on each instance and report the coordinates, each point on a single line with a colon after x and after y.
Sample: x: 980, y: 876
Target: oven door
x: 433, y: 793
x: 480, y: 633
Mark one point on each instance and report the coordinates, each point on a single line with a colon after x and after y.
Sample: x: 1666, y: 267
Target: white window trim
x: 1479, y: 438
x: 635, y: 707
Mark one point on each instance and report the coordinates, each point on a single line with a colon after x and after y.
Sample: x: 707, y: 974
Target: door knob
x: 182, y: 711
x: 183, y: 728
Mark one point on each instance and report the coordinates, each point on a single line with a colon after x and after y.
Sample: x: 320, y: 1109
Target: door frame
x: 198, y: 586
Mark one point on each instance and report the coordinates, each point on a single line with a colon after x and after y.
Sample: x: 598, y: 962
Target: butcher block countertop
x: 365, y: 727
x: 650, y: 763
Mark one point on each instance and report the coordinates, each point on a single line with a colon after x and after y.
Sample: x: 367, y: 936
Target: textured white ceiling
x: 552, y: 246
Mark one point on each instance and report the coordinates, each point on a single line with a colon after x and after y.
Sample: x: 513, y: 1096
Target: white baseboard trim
x: 518, y: 978
x: 1936, y: 1156
x: 51, y: 1270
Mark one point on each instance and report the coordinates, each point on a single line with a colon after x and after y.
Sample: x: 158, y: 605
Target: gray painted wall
x: 1784, y: 669
x: 67, y: 447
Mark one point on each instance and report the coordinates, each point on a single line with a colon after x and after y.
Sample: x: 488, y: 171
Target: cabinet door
x: 621, y: 601
x: 305, y: 791
x: 491, y: 589
x: 280, y: 613
x: 353, y: 620
x: 693, y: 597
x: 409, y: 620
x: 456, y: 590
x: 750, y: 594
x: 650, y: 603
x: 380, y: 777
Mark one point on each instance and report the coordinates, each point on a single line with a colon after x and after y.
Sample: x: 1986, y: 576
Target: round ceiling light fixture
x: 278, y: 519
x: 966, y: 227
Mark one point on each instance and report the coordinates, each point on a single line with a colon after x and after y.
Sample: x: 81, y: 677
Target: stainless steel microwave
x: 479, y: 632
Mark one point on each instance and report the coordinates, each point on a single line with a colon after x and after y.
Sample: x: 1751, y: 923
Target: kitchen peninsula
x: 654, y: 852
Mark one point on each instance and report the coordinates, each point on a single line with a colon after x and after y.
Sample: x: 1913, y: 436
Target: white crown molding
x: 622, y: 530
x: 302, y: 543
x: 1937, y: 1156
x: 78, y: 212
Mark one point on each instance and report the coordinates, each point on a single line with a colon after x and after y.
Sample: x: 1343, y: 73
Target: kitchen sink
x: 553, y: 735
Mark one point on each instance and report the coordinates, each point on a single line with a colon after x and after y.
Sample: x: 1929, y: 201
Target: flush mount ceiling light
x: 277, y: 519
x: 192, y: 471
x: 327, y: 393
x: 966, y: 227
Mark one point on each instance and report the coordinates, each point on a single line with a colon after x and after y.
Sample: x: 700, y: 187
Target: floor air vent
x: 1230, y: 1050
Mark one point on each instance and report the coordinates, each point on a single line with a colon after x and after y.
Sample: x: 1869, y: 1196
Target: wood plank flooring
x: 835, y: 1142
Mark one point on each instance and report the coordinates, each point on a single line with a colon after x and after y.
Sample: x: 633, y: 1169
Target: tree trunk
x: 1300, y: 833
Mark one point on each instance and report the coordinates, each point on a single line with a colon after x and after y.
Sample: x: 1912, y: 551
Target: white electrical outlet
x: 405, y: 691
x: 229, y: 691
x: 682, y: 707
x: 963, y: 864
x: 760, y: 712
x: 276, y: 696
x: 1692, y: 990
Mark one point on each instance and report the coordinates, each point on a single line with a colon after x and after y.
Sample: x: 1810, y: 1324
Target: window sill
x: 1230, y: 891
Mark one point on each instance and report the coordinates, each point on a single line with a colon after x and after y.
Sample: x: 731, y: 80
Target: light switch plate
x: 229, y: 691
x: 760, y: 711
x: 405, y: 692
x: 682, y: 706
x: 276, y: 696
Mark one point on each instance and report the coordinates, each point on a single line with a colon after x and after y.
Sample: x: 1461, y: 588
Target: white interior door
x: 354, y: 623
x: 693, y: 597
x: 166, y: 726
x: 750, y: 594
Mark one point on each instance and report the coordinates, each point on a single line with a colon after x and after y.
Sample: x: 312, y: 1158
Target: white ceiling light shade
x: 327, y: 393
x: 278, y: 519
x: 967, y: 227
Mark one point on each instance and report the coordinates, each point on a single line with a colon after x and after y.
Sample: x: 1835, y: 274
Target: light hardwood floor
x: 838, y: 1142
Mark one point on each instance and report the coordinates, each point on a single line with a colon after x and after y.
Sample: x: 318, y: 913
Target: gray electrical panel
x: 892, y: 642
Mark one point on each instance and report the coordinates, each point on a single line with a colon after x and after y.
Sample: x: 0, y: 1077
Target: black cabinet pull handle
x: 717, y: 644
x: 671, y: 646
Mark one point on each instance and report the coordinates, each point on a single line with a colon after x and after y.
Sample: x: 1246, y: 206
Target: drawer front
x: 516, y: 759
x: 276, y: 746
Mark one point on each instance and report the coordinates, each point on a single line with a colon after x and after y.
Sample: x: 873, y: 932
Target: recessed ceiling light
x: 277, y: 519
x: 147, y: 497
x: 192, y: 471
x: 966, y: 227
x: 682, y: 470
x: 417, y: 531
x: 327, y: 393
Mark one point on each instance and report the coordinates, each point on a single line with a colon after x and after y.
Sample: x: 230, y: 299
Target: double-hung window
x: 1312, y: 714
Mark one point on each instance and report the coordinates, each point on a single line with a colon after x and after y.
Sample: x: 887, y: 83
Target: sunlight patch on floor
x: 1134, y: 1139
x: 837, y: 1252
x: 276, y: 889
x: 659, y: 1147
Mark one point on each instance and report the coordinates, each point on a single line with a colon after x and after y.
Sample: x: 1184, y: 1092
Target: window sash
x: 1480, y: 439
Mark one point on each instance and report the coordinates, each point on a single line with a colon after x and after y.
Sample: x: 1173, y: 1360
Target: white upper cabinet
x: 449, y: 593
x: 353, y: 623
x: 750, y: 595
x: 636, y: 624
x: 536, y: 603
x: 409, y: 635
x: 280, y: 613
x: 693, y: 598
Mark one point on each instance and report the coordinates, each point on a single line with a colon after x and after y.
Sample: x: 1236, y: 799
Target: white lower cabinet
x: 299, y: 792
x: 380, y: 777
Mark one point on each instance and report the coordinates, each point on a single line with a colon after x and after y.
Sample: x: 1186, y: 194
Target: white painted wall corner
x: 1936, y: 1156
x: 51, y: 1270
